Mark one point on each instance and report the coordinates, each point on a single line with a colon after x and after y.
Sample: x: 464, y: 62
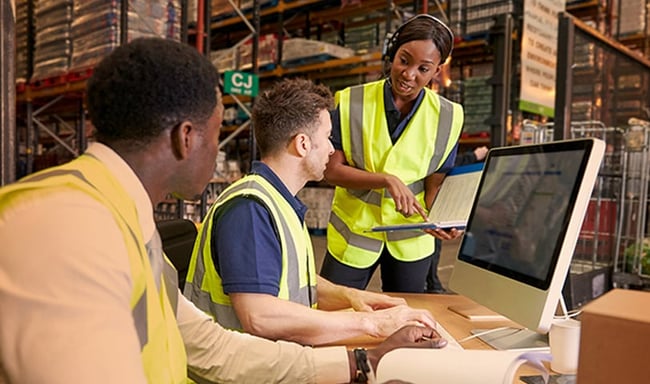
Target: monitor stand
x: 514, y: 339
x: 519, y: 339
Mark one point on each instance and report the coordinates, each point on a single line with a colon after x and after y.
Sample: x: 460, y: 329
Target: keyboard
x: 451, y: 342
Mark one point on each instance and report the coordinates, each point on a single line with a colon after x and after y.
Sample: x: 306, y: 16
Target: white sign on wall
x: 539, y: 56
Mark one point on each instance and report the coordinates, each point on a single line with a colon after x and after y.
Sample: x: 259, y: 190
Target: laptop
x: 451, y: 206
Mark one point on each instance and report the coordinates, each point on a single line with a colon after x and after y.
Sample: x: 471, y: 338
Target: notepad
x: 453, y: 203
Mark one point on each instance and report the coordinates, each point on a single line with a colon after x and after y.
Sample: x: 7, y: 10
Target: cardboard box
x: 615, y: 338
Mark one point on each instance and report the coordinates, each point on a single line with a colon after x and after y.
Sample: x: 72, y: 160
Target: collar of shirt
x: 131, y: 183
x: 267, y: 173
x: 393, y: 115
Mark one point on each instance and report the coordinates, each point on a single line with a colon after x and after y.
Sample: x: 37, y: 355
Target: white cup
x: 564, y: 340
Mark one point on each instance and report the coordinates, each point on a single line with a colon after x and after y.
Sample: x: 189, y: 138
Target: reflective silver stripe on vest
x: 445, y: 120
x: 373, y: 197
x: 163, y: 269
x: 366, y: 243
x: 356, y: 125
x: 139, y: 311
x: 444, y: 130
x: 170, y: 277
x: 156, y: 259
x: 225, y: 314
x: 296, y: 294
x: 368, y: 196
x: 416, y: 187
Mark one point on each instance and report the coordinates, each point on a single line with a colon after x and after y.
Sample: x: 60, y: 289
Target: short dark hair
x: 424, y: 27
x: 149, y: 85
x: 289, y: 107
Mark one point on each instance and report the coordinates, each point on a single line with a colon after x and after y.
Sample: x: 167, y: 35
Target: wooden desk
x: 458, y: 326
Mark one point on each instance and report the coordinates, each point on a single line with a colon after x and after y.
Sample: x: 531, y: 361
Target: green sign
x: 540, y: 109
x: 241, y: 83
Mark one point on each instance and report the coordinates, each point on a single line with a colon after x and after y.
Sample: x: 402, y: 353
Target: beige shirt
x: 65, y: 316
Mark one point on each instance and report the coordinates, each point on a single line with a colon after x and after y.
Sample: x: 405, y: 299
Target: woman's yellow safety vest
x: 298, y: 280
x: 163, y: 353
x: 419, y: 152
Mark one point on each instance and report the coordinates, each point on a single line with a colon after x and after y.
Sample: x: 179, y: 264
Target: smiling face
x: 416, y: 63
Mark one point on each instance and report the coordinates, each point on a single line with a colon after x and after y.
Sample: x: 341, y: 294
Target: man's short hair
x: 147, y: 86
x: 289, y: 107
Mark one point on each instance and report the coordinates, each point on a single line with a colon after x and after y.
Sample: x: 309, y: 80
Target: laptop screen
x: 522, y: 209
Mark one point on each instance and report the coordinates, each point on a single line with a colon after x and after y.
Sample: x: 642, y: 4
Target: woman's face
x: 415, y: 64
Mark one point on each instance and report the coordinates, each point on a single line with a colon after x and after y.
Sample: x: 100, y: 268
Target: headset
x: 390, y: 44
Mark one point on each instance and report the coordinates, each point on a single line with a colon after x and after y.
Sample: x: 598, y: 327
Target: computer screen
x: 522, y: 232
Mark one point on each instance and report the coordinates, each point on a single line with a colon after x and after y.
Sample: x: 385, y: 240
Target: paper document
x: 456, y: 366
x: 453, y: 203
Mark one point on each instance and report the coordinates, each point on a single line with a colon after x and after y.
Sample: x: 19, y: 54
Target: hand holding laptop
x: 444, y: 233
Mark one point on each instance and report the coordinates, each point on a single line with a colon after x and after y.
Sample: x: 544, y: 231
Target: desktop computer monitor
x: 523, y: 228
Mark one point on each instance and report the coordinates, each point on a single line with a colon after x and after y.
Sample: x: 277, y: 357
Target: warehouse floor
x: 449, y: 249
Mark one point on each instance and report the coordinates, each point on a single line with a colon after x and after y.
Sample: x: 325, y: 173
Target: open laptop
x: 451, y: 206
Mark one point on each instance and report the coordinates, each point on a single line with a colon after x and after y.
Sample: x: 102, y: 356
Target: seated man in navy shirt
x: 253, y: 266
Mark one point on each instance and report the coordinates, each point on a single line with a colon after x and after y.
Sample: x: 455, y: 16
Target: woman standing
x: 394, y: 141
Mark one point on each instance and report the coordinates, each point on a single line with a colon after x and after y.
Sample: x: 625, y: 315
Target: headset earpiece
x: 390, y: 44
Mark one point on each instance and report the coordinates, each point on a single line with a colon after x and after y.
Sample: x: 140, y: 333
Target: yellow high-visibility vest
x: 298, y: 280
x: 153, y: 308
x: 421, y: 150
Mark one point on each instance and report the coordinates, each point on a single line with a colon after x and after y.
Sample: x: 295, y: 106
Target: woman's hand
x: 444, y: 234
x: 405, y: 201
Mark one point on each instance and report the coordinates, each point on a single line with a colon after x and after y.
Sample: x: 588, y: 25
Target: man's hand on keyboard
x: 384, y: 322
x: 410, y: 336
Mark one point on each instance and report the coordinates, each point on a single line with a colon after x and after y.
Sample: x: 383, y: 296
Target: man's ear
x: 302, y: 144
x: 181, y: 139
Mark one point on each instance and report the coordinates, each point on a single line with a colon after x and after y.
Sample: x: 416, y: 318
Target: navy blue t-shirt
x: 395, y: 123
x: 245, y: 244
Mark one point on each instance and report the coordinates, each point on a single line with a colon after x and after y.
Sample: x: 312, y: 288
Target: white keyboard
x: 451, y: 342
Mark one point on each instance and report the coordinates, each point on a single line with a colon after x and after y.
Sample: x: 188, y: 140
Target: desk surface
x: 458, y: 326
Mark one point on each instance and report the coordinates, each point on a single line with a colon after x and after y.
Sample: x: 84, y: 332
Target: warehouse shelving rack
x: 604, y: 76
x: 59, y: 102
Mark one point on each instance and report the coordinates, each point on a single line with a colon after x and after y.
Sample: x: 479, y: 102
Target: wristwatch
x: 363, y: 368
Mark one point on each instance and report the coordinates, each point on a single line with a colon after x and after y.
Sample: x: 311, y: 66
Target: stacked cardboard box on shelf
x: 96, y: 26
x: 267, y: 52
x: 469, y: 18
x: 22, y: 42
x: 241, y: 56
x: 584, y: 62
x: 365, y: 37
x: 222, y: 9
x: 456, y: 16
x: 297, y: 51
x: 53, y: 37
x: 632, y: 18
x: 477, y: 98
